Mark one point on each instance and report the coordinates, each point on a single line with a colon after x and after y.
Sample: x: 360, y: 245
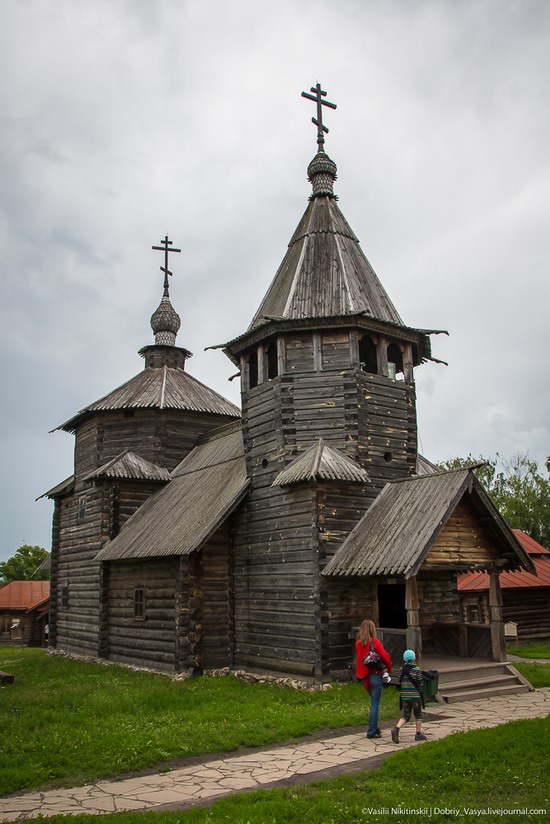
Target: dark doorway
x: 391, y: 606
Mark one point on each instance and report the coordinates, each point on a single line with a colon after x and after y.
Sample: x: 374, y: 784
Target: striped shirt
x: 408, y: 690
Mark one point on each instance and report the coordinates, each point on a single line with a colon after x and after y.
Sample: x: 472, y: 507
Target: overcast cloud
x: 125, y: 120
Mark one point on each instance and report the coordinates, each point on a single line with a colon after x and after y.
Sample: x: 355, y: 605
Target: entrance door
x: 391, y: 606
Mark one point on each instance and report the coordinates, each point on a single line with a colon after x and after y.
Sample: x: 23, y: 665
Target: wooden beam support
x: 382, y: 357
x: 412, y: 605
x: 498, y: 641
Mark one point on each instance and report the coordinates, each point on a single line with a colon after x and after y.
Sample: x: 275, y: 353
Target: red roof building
x: 24, y: 608
x: 525, y: 596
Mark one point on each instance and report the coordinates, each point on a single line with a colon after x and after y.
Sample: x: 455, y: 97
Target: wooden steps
x: 485, y: 680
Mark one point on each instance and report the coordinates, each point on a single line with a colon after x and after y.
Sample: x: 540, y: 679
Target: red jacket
x: 361, y: 650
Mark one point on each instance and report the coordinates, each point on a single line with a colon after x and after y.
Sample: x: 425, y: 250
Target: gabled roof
x: 159, y: 388
x: 396, y: 533
x: 131, y: 466
x: 321, y: 463
x: 24, y: 595
x: 204, y: 490
x: 325, y: 273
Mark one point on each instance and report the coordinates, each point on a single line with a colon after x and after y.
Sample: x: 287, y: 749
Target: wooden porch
x: 463, y: 660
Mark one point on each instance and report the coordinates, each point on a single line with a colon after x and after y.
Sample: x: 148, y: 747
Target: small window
x: 474, y: 614
x: 81, y: 514
x: 139, y: 604
x: 65, y: 596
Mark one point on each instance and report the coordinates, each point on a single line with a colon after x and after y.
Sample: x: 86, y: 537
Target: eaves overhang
x: 272, y: 326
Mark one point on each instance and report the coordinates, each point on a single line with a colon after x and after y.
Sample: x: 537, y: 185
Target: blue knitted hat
x: 409, y: 656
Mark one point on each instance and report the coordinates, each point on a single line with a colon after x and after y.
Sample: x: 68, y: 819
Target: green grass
x: 537, y: 674
x: 502, y: 768
x: 65, y: 722
x: 534, y: 650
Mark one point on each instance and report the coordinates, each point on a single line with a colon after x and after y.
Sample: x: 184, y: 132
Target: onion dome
x: 165, y: 323
x: 321, y: 173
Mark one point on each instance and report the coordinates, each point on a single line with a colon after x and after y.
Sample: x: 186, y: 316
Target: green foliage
x: 23, y: 565
x: 504, y: 768
x: 519, y: 490
x: 67, y: 721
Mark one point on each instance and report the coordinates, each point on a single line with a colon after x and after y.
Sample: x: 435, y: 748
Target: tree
x: 518, y: 489
x: 23, y: 565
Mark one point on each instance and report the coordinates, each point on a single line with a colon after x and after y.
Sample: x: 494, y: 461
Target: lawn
x: 531, y: 650
x: 504, y: 768
x: 66, y: 722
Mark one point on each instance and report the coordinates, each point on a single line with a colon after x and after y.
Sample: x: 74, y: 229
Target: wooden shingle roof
x: 204, y: 490
x: 62, y: 488
x: 325, y: 273
x: 396, y: 533
x: 321, y: 463
x: 130, y: 466
x: 159, y: 388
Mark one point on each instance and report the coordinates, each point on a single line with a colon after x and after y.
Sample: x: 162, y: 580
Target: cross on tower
x: 317, y: 97
x: 164, y: 248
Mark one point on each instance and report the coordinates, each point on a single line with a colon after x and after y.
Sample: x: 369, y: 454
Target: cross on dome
x: 164, y: 248
x: 317, y: 97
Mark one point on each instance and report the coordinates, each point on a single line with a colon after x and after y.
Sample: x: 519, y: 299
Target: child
x: 411, y: 698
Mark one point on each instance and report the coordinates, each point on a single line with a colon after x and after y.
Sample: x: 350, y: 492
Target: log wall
x: 464, y: 539
x: 163, y: 437
x: 528, y: 607
x: 76, y: 589
x: 217, y: 610
x: 79, y: 623
x: 287, y: 616
x: 344, y: 602
x: 149, y: 642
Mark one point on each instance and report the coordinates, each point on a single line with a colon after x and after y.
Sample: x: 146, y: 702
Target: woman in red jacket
x: 372, y: 679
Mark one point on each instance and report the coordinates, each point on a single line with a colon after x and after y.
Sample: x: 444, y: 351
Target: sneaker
x: 376, y: 734
x: 395, y: 735
x: 420, y: 737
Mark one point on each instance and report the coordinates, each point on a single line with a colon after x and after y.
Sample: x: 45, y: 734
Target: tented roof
x: 159, y: 388
x: 131, y: 466
x: 321, y: 463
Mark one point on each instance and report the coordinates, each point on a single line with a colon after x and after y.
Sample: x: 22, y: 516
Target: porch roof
x: 396, y: 534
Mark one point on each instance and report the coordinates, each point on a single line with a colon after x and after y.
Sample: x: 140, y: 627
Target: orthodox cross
x: 317, y: 97
x: 164, y: 248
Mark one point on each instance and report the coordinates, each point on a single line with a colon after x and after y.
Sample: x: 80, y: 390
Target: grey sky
x: 125, y: 120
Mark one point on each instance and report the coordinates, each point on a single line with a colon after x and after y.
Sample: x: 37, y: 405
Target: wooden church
x: 194, y: 536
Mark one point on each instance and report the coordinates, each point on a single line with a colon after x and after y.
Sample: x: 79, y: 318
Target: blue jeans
x: 375, y: 692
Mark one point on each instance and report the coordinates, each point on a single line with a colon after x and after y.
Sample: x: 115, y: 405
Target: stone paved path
x: 302, y: 761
